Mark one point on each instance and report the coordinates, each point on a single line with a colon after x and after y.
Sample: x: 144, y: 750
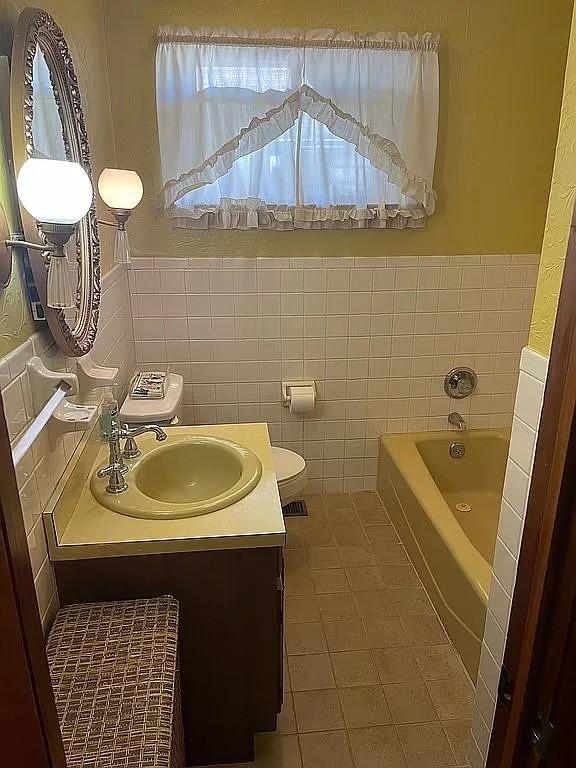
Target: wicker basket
x: 114, y: 670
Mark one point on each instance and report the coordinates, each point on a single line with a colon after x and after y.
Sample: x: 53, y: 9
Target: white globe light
x: 54, y: 191
x: 120, y: 189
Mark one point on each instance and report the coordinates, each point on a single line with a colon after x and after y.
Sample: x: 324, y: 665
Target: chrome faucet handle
x: 115, y: 473
x: 460, y: 382
x: 131, y: 450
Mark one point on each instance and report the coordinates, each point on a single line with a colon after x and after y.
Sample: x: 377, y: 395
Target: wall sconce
x: 58, y: 194
x: 121, y: 191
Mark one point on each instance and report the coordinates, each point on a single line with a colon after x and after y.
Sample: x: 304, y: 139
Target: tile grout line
x: 362, y: 620
x: 384, y: 690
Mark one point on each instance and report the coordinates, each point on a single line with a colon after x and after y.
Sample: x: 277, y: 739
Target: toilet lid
x: 287, y: 464
x: 143, y: 411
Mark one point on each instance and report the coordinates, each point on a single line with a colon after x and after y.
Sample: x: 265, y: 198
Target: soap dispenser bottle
x: 108, y: 414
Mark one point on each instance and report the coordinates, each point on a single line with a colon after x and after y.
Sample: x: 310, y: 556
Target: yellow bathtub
x: 452, y: 547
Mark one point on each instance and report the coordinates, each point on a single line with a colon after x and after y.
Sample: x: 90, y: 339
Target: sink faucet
x: 131, y: 450
x: 457, y: 421
x: 112, y: 431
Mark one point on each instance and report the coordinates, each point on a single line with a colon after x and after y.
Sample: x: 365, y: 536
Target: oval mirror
x: 48, y: 121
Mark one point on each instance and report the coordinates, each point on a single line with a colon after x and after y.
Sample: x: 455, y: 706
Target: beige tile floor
x: 371, y: 679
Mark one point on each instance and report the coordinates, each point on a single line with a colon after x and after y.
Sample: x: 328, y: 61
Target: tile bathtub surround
x: 529, y: 399
x: 42, y: 467
x: 371, y: 677
x: 378, y: 335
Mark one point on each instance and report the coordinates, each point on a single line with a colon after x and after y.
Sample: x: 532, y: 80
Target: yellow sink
x: 188, y: 476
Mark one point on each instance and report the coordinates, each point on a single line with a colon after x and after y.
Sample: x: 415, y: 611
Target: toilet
x: 290, y: 467
x: 163, y: 412
x: 291, y: 474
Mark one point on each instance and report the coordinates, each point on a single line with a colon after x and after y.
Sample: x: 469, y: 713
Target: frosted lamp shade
x: 121, y: 247
x: 120, y: 189
x: 54, y: 191
x: 59, y: 292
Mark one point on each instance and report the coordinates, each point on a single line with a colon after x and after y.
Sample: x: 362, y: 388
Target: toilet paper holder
x: 287, y: 385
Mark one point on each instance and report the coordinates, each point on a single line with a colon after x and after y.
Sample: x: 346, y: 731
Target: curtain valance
x: 297, y: 38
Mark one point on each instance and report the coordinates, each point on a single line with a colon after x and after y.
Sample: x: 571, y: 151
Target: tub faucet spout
x: 457, y: 421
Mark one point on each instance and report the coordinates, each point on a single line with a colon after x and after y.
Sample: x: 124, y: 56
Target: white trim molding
x: 525, y: 425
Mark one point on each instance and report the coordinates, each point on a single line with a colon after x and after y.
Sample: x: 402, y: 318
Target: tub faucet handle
x: 460, y: 382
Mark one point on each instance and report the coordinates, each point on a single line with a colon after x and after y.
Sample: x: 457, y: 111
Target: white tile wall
x: 377, y: 334
x: 114, y: 345
x: 529, y: 398
x: 40, y: 470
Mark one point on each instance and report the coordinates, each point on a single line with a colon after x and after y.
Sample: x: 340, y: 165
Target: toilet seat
x: 291, y: 474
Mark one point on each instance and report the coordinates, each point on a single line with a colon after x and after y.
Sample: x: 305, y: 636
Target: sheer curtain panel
x: 296, y: 130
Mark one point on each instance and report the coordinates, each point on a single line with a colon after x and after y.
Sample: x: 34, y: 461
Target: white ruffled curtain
x: 289, y: 129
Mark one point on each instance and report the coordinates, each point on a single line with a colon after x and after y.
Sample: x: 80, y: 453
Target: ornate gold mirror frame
x: 5, y: 253
x: 36, y: 31
x: 8, y: 197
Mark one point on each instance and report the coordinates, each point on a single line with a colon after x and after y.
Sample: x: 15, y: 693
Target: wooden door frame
x: 29, y: 728
x: 549, y: 508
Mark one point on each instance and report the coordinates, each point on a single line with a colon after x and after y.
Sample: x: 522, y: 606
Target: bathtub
x: 451, y: 548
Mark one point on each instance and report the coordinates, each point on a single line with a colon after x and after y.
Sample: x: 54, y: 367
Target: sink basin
x: 190, y: 476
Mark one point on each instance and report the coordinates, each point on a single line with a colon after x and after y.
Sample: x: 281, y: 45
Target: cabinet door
x: 280, y: 588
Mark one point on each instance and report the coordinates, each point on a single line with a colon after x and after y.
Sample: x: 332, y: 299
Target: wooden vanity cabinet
x: 231, y: 617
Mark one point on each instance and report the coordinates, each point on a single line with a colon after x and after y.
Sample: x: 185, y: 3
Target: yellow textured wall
x: 560, y: 207
x: 502, y: 64
x: 15, y: 321
x: 82, y: 22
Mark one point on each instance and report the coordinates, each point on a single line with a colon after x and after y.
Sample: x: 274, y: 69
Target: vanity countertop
x: 79, y: 527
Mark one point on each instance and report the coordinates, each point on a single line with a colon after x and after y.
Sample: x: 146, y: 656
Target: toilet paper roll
x: 302, y: 399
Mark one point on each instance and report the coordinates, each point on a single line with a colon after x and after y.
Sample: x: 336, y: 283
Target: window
x: 288, y: 130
